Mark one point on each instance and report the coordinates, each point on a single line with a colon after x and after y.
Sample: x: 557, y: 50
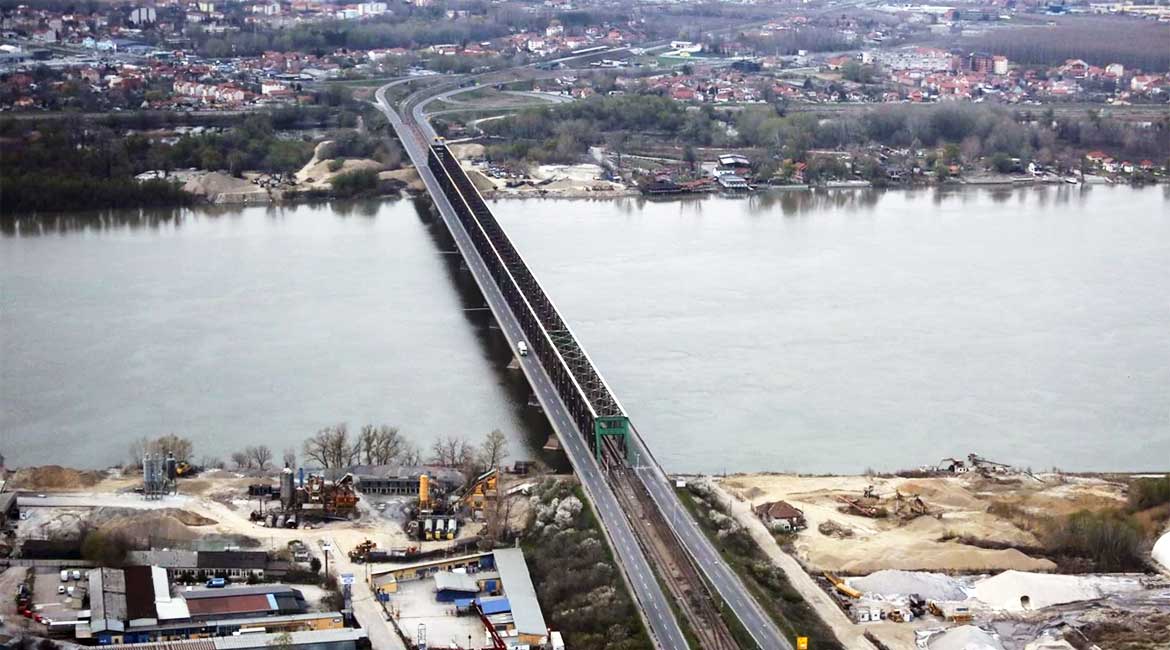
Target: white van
x: 522, y: 348
x: 64, y: 575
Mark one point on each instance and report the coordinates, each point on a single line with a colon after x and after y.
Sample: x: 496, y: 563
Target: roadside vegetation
x: 576, y: 579
x: 767, y: 582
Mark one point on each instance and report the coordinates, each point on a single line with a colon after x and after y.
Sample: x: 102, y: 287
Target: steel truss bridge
x: 586, y: 395
x: 596, y: 433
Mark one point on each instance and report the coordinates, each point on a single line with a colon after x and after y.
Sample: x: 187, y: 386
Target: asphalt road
x: 652, y: 600
x: 722, y: 578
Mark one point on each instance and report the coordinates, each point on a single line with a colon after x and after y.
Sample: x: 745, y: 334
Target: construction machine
x: 359, y: 552
x: 841, y: 587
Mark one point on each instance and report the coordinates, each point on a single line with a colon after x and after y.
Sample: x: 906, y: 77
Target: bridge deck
x: 574, y: 395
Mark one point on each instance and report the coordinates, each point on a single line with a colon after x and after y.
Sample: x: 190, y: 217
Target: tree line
x: 333, y: 448
x: 1098, y: 40
x: 563, y: 133
x: 71, y: 165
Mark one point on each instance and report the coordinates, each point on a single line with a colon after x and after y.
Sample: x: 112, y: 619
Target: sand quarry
x: 958, y: 508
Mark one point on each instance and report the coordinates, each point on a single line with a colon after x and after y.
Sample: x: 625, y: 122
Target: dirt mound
x: 471, y: 150
x: 406, y: 175
x: 941, y: 492
x: 154, y: 526
x: 189, y: 518
x: 53, y: 477
x: 321, y: 175
x: 218, y: 188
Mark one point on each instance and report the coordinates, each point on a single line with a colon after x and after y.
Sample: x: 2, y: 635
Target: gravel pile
x: 892, y: 582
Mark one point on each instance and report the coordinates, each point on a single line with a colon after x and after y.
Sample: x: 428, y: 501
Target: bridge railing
x: 577, y: 382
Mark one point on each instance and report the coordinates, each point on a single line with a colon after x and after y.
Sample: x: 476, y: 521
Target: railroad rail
x: 596, y: 433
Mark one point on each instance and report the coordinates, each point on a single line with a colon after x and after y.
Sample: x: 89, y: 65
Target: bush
x: 106, y: 549
x: 359, y: 182
x: 1110, y: 538
x: 1145, y: 493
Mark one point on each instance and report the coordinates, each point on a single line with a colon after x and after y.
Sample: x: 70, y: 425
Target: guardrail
x: 578, y: 383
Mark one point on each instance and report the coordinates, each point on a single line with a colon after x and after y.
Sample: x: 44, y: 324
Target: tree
x: 690, y: 156
x: 106, y: 549
x: 315, y: 564
x: 331, y: 447
x: 380, y: 445
x: 262, y: 455
x: 242, y: 459
x: 452, y: 452
x: 494, y: 449
x: 290, y: 457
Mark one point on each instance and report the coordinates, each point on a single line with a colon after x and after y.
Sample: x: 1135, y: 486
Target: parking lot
x: 49, y: 602
x: 418, y: 611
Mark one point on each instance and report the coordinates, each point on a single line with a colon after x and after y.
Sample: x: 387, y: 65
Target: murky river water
x: 823, y: 332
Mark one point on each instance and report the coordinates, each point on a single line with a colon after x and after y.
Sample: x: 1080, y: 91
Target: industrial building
x: 403, y: 479
x: 494, y: 586
x: 256, y: 600
x: 203, y: 564
x: 136, y: 605
x: 386, y: 580
x: 334, y: 639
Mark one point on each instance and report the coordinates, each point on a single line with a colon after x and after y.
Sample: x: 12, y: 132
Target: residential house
x: 780, y: 515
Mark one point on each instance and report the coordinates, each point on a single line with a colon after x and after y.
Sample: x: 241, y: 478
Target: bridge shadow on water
x: 497, y: 349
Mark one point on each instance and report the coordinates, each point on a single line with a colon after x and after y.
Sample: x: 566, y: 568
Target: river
x: 826, y: 332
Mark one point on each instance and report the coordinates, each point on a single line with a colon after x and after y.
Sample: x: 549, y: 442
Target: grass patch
x: 766, y: 582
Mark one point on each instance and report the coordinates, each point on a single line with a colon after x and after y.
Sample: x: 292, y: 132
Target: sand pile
x: 892, y: 582
x: 465, y: 151
x: 1017, y: 591
x: 153, y: 526
x: 53, y: 477
x: 964, y: 637
x: 216, y: 186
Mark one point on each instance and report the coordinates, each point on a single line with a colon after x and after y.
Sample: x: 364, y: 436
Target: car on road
x: 522, y: 348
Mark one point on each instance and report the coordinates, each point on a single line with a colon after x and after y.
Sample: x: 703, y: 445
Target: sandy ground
x: 407, y: 175
x: 566, y: 181
x: 217, y: 187
x: 847, y: 633
x: 958, y: 507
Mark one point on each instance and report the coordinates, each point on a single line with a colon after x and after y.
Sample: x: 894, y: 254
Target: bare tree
x: 498, y: 518
x: 453, y: 452
x: 290, y: 457
x: 331, y: 447
x: 410, y: 454
x: 494, y: 449
x: 262, y: 455
x: 242, y: 459
x: 380, y: 445
x: 210, y: 462
x: 137, y: 451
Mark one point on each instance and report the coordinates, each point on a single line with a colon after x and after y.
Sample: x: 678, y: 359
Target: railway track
x: 673, y: 564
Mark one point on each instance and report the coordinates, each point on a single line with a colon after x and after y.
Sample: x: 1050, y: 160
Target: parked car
x: 216, y: 583
x: 61, y: 589
x: 77, y: 574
